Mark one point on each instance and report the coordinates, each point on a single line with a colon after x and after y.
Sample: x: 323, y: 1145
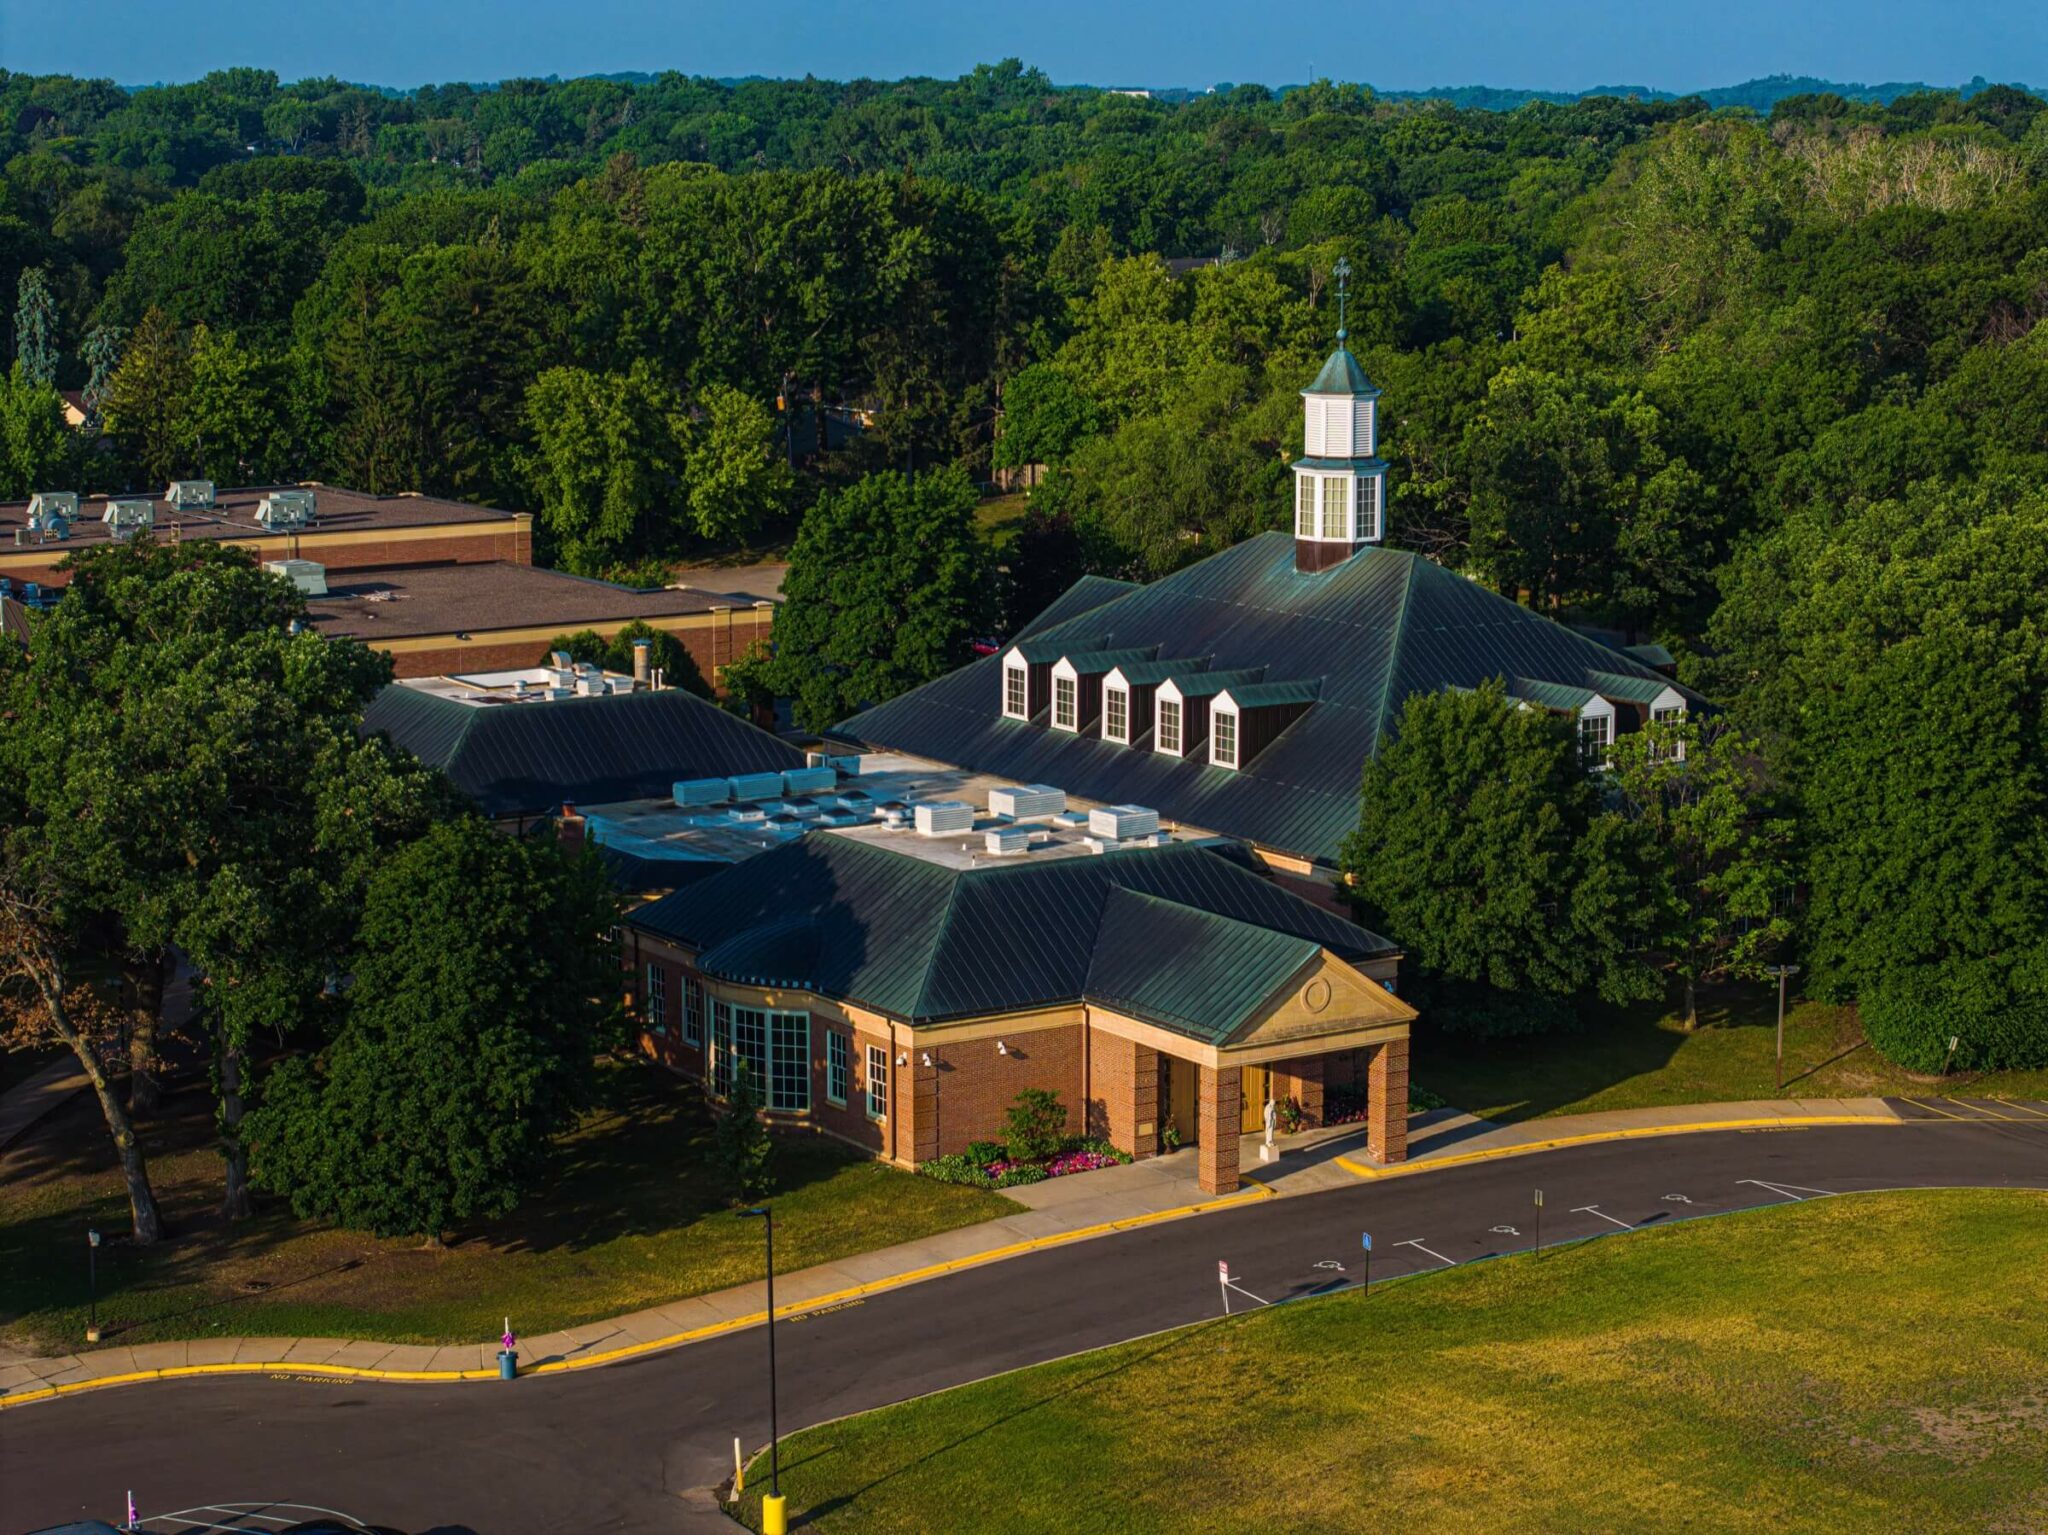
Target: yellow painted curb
x: 635, y: 1350
x: 1412, y: 1169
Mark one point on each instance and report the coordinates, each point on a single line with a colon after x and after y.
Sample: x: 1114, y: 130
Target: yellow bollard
x: 774, y: 1515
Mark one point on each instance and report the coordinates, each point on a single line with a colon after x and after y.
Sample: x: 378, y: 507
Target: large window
x: 1369, y: 507
x: 838, y: 1066
x: 693, y: 1012
x: 878, y: 1082
x: 655, y: 1010
x: 1169, y: 725
x: 1665, y: 723
x: 1064, y: 691
x: 1304, y: 506
x: 1336, y: 507
x: 1223, y: 738
x: 1596, y: 734
x: 776, y: 1048
x: 1116, y: 715
x: 1016, y: 692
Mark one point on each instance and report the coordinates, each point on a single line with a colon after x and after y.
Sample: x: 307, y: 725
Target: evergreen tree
x: 741, y: 1144
x: 35, y: 328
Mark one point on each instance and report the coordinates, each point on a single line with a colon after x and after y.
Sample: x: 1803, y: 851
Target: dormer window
x: 1596, y: 734
x: 1223, y: 737
x: 1065, y: 702
x: 1016, y: 689
x: 1167, y: 727
x: 1116, y: 715
x: 1667, y: 710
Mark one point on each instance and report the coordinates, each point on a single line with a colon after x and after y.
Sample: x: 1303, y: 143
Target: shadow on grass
x: 834, y: 1505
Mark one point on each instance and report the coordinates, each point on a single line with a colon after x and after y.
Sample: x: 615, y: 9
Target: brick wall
x: 968, y: 1089
x: 1219, y: 1110
x: 848, y: 1121
x: 1303, y: 1082
x: 710, y: 646
x: 1386, y: 1134
x: 1123, y: 1094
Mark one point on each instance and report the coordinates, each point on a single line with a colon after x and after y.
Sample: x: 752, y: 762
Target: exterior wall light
x: 1001, y: 1048
x: 927, y: 1057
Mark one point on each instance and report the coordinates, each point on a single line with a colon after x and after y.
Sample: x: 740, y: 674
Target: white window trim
x: 839, y: 1062
x: 654, y: 999
x: 1668, y: 708
x: 1065, y: 674
x: 1599, y: 711
x: 693, y: 1012
x: 1370, y: 534
x: 1340, y: 531
x: 1219, y: 711
x: 1113, y: 687
x: 875, y: 1085
x: 1015, y: 665
x: 1304, y: 504
x: 1166, y: 695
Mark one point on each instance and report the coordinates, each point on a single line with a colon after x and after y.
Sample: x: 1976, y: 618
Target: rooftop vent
x: 809, y: 780
x: 51, y: 513
x: 309, y: 576
x: 124, y: 519
x: 944, y: 817
x: 283, y: 510
x: 1007, y: 841
x: 703, y: 791
x: 1122, y: 823
x: 1020, y: 803
x: 755, y: 786
x: 190, y: 495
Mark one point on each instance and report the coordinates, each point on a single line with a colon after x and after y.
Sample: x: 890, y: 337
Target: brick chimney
x: 569, y: 829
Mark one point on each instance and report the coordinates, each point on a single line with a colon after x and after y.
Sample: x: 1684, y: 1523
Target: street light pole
x: 774, y: 1510
x: 1784, y: 973
x: 92, y: 1285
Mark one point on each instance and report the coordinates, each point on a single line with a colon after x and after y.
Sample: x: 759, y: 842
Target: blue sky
x: 1554, y: 45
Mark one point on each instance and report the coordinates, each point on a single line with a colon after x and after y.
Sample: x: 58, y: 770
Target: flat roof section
x: 390, y: 602
x: 233, y: 515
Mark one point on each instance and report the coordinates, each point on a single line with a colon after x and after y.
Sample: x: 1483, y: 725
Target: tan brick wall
x: 711, y: 646
x: 465, y: 542
x: 973, y: 1085
x: 1386, y: 1132
x: 1219, y: 1111
x: 848, y: 1121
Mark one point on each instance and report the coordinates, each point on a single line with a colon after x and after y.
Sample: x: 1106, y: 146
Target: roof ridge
x: 1395, y: 648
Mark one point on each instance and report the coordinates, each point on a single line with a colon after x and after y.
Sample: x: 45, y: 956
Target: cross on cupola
x: 1339, y: 483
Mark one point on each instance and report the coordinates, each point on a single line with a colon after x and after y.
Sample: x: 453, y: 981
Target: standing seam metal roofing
x: 924, y: 942
x: 527, y: 758
x: 1381, y: 626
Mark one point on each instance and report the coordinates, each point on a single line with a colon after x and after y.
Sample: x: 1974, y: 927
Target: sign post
x: 1223, y: 1282
x: 1538, y: 1248
x: 1367, y: 1237
x: 92, y: 1284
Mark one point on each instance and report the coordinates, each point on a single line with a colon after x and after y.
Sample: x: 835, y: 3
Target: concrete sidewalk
x: 1056, y: 1212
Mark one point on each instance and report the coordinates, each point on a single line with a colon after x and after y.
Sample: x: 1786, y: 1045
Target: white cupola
x: 1339, y: 481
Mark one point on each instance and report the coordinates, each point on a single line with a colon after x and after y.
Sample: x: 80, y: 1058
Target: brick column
x: 1144, y: 1141
x: 1307, y: 1088
x: 1123, y: 1101
x: 1386, y: 1102
x: 918, y: 1086
x: 1218, y: 1129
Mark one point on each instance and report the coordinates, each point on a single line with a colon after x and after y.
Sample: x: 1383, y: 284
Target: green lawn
x: 1643, y: 1057
x: 1866, y: 1363
x: 1000, y: 517
x: 632, y: 1219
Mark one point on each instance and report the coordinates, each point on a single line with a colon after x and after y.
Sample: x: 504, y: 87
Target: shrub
x: 1020, y: 1173
x: 985, y: 1152
x: 1038, y: 1125
x: 1910, y: 1015
x: 958, y: 1168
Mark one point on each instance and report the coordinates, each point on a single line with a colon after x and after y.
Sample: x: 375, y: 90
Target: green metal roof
x: 1148, y: 673
x: 1377, y: 628
x: 920, y: 941
x: 1263, y: 695
x: 1358, y: 465
x: 1188, y: 970
x: 1089, y: 662
x: 1084, y: 596
x: 1043, y: 652
x: 528, y: 758
x: 1206, y: 684
x: 1551, y: 695
x: 1342, y: 375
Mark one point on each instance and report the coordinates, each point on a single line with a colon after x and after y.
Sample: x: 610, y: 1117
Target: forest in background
x: 1768, y: 388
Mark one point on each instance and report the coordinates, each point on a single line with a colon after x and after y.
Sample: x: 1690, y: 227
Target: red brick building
x: 901, y: 1001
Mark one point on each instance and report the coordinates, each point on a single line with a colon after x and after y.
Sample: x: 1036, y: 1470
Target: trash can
x: 508, y: 1364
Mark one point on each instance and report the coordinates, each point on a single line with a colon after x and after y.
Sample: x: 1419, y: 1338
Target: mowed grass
x: 1644, y: 1058
x: 632, y: 1217
x: 1877, y: 1362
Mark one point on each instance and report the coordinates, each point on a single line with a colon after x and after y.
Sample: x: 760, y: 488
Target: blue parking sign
x: 1368, y: 1240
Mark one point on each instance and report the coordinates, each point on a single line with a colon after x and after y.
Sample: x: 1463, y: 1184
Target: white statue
x: 1272, y: 1119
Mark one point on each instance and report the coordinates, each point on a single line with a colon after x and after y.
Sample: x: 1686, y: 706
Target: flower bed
x: 988, y: 1165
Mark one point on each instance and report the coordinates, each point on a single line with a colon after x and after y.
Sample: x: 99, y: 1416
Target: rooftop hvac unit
x: 309, y: 576
x: 804, y: 809
x: 1005, y: 841
x: 943, y: 817
x: 756, y: 785
x: 809, y: 780
x: 896, y: 815
x: 750, y: 813
x: 51, y: 512
x: 858, y: 800
x: 1121, y: 823
x: 283, y: 510
x: 703, y: 791
x: 1021, y: 803
x: 190, y: 495
x: 124, y: 519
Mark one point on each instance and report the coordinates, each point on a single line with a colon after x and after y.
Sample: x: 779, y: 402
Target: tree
x: 35, y: 328
x: 667, y: 654
x: 606, y: 462
x: 102, y: 355
x: 477, y: 1003
x: 1046, y: 416
x: 740, y: 1143
x: 232, y: 411
x: 34, y: 446
x: 1036, y: 1126
x: 887, y: 586
x: 1481, y: 849
x: 734, y: 477
x: 145, y: 398
x: 1697, y: 790
x: 193, y: 766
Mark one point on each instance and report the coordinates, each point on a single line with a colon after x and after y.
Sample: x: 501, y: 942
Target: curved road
x: 612, y: 1449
